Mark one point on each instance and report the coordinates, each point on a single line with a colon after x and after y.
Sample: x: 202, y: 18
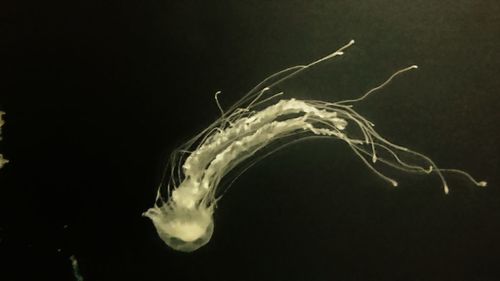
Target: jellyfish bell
x: 182, y: 229
x: 185, y: 221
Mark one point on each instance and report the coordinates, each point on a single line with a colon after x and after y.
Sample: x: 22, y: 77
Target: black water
x: 98, y: 94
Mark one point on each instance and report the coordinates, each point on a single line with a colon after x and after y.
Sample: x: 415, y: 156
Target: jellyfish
x: 3, y: 161
x: 185, y: 203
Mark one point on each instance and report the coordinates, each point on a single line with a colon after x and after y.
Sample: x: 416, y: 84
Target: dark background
x: 97, y: 94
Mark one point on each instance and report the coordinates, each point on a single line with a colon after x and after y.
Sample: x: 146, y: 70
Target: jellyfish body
x: 184, y: 220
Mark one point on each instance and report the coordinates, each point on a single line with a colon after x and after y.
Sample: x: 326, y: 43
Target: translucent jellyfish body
x: 183, y: 217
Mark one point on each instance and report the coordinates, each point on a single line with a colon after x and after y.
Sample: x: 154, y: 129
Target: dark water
x: 98, y: 94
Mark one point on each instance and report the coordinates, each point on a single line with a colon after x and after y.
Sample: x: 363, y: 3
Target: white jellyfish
x: 184, y: 217
x: 3, y: 161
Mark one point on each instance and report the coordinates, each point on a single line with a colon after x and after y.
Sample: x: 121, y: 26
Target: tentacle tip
x: 351, y: 42
x: 446, y: 189
x: 394, y: 183
x: 414, y: 66
x: 482, y: 183
x: 428, y: 171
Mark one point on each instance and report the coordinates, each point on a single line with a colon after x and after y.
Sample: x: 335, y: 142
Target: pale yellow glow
x: 184, y: 219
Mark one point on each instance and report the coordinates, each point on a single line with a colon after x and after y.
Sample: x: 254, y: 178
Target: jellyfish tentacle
x: 364, y: 96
